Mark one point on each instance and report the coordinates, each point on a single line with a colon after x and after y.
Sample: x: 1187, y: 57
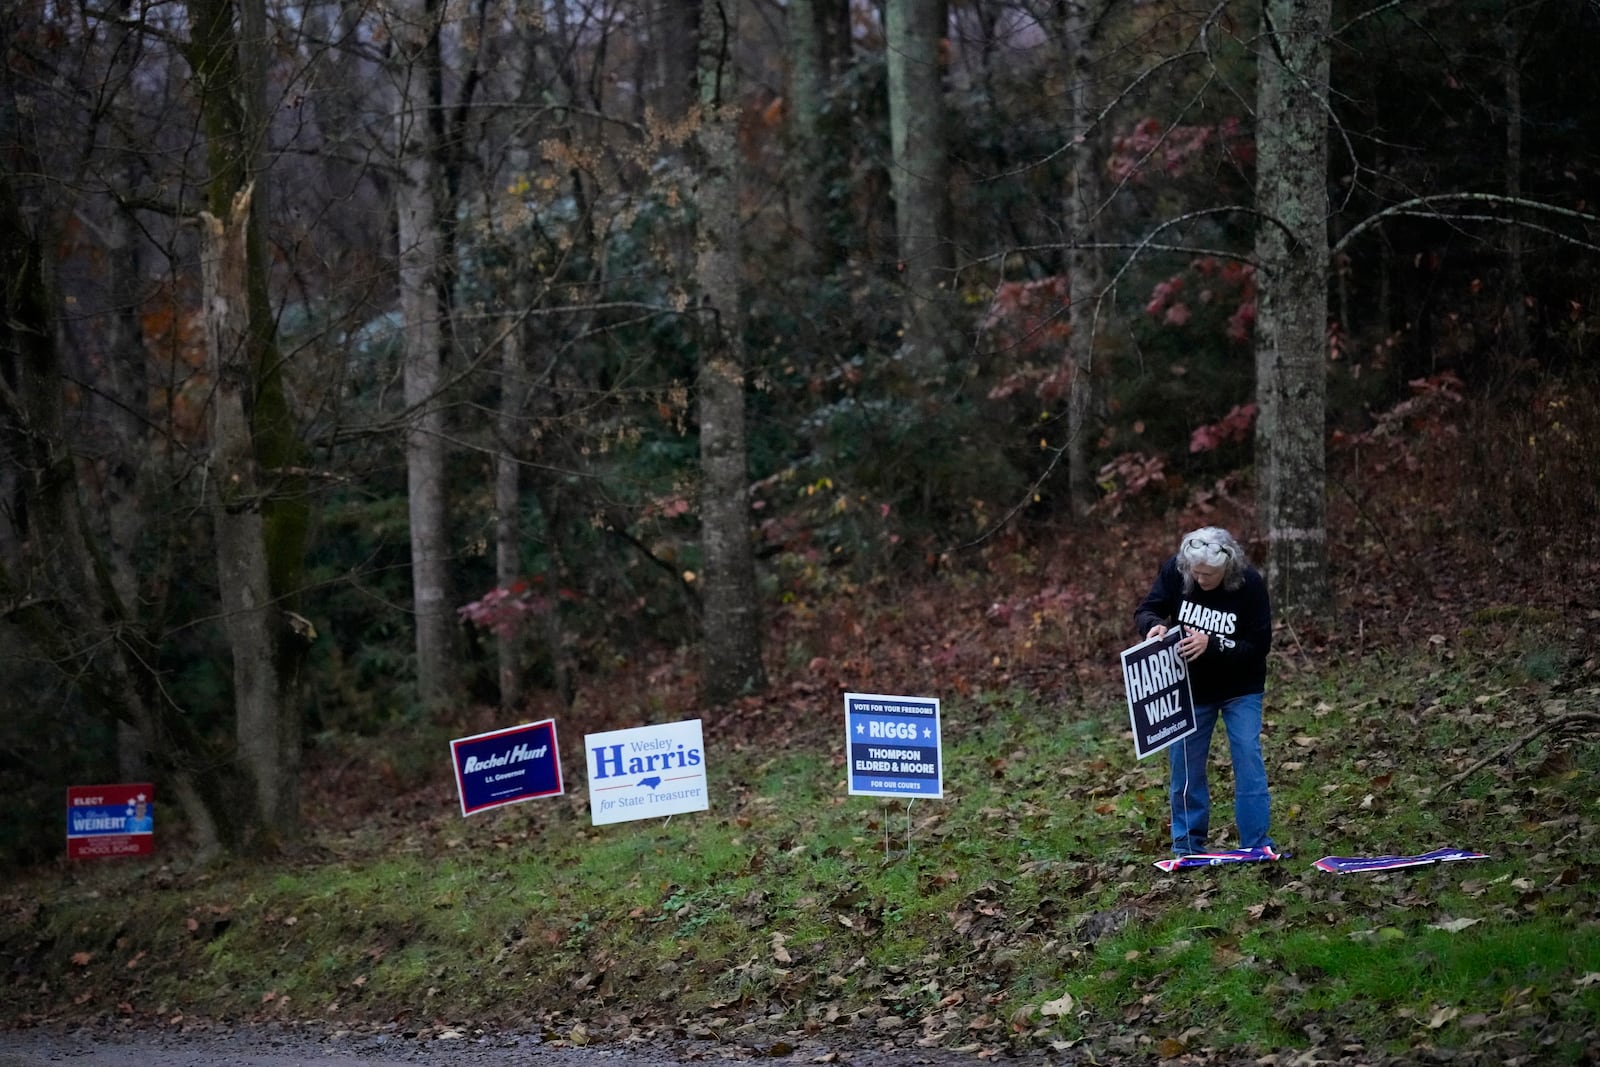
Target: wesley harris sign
x: 1160, y: 705
x: 646, y: 772
x: 893, y: 745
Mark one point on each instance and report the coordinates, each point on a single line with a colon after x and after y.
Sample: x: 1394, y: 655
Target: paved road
x: 225, y: 1046
x: 258, y: 1048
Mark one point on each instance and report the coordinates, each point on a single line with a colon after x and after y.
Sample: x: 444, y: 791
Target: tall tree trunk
x: 230, y: 73
x: 1516, y: 282
x: 677, y: 23
x: 819, y: 173
x: 731, y: 653
x: 422, y: 304
x: 127, y: 387
x: 920, y: 179
x: 508, y: 491
x: 508, y: 570
x: 1292, y: 316
x: 242, y: 577
x: 1085, y: 275
x: 563, y: 665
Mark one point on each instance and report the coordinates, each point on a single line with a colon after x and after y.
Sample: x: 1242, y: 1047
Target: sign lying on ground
x: 1160, y: 704
x: 893, y: 745
x: 507, y: 766
x: 1356, y: 864
x: 646, y: 772
x: 110, y: 820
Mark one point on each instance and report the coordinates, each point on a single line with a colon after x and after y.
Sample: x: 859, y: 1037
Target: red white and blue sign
x: 1264, y: 854
x: 507, y: 766
x: 893, y: 746
x: 110, y: 820
x: 1361, y: 864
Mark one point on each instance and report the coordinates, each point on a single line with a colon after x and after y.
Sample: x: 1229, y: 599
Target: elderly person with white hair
x: 1211, y: 591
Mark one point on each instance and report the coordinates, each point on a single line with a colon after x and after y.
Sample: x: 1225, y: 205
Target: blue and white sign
x: 507, y: 766
x: 646, y: 772
x: 893, y: 746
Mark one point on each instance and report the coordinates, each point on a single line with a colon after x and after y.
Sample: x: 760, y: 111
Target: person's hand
x: 1158, y: 630
x: 1193, y: 643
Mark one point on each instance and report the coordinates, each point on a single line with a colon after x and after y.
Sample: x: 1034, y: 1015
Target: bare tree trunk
x: 125, y: 518
x: 920, y: 178
x: 1292, y: 318
x: 230, y: 71
x: 1516, y: 283
x: 563, y: 668
x: 422, y: 304
x: 508, y: 493
x: 242, y: 577
x: 1085, y: 276
x: 731, y: 655
x: 677, y: 23
x: 817, y: 152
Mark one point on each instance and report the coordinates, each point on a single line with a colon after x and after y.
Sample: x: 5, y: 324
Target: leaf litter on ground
x: 1023, y: 919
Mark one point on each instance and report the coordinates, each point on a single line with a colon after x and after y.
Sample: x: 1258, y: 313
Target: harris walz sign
x: 1160, y: 705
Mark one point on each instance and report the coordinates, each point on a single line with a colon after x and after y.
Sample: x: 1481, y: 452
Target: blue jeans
x: 1191, y: 797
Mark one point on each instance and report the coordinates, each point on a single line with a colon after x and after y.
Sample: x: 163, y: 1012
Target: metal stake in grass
x: 886, y: 853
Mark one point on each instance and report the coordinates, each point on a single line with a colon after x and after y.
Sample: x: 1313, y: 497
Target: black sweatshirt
x: 1239, y: 624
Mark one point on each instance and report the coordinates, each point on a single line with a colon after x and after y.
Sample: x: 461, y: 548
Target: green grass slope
x: 1020, y: 912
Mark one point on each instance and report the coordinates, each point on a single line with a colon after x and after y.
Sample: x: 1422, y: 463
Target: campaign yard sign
x: 894, y: 746
x: 110, y: 820
x: 507, y: 766
x: 646, y: 772
x: 1160, y: 704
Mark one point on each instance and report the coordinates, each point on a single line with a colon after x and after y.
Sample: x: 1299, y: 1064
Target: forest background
x: 397, y: 370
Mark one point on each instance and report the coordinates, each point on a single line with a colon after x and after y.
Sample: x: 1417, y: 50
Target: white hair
x: 1212, y: 546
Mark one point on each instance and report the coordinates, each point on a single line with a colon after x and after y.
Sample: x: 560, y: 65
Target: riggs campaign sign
x: 1160, y: 705
x: 110, y: 820
x: 646, y: 772
x: 893, y: 744
x: 507, y: 766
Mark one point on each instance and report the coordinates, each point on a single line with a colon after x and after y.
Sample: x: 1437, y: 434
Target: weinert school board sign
x: 110, y: 820
x: 1160, y: 703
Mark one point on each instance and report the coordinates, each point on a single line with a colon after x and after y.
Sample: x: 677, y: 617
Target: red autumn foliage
x: 504, y: 609
x: 1028, y: 319
x: 1225, y: 283
x: 1151, y: 150
x: 1232, y: 428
